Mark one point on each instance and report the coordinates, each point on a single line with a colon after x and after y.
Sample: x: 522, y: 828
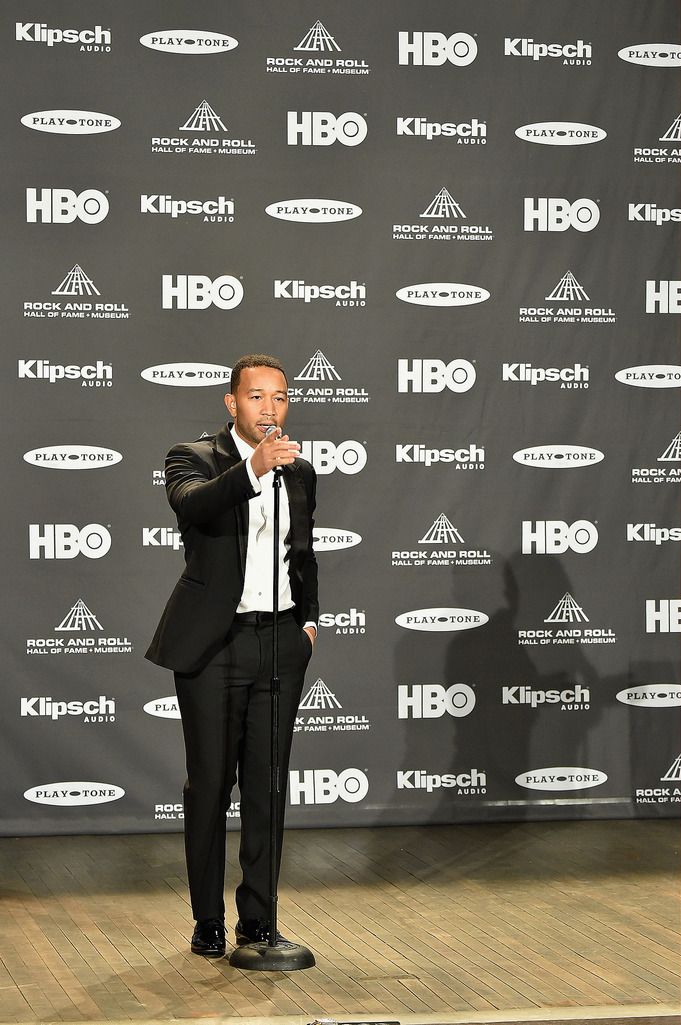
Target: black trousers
x: 225, y: 710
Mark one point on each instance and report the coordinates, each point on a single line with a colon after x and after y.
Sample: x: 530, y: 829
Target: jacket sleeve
x: 195, y: 495
x: 310, y: 591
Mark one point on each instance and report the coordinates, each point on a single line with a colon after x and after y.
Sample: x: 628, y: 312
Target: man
x: 216, y: 634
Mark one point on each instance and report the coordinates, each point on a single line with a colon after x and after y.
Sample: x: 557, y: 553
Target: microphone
x: 268, y: 430
x: 277, y: 470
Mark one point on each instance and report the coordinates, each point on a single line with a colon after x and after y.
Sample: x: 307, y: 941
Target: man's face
x: 260, y: 401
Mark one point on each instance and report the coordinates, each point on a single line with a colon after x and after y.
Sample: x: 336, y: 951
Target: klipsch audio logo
x: 443, y: 208
x: 651, y: 695
x: 561, y: 778
x: 319, y: 377
x: 322, y: 704
x: 91, y: 40
x: 663, y: 296
x: 353, y: 621
x: 73, y: 457
x: 466, y: 133
x: 558, y: 456
x: 333, y: 539
x: 561, y: 133
x: 472, y: 457
x: 211, y: 211
x: 75, y: 299
x: 70, y: 122
x: 198, y: 292
x: 663, y: 616
x: 553, y: 537
x: 442, y: 293
x: 652, y: 55
x: 663, y: 795
x: 577, y: 53
x: 313, y: 211
x: 651, y: 533
x: 443, y: 546
x: 433, y: 701
x: 471, y: 782
x: 326, y: 786
x: 439, y: 620
x: 433, y: 49
x: 74, y: 794
x: 322, y: 128
x: 564, y: 625
x: 95, y: 710
x: 551, y: 214
x: 653, y: 214
x: 573, y: 309
x: 64, y: 206
x: 576, y: 376
x: 351, y: 294
x: 349, y: 457
x: 163, y: 708
x: 79, y: 633
x: 193, y: 41
x: 161, y: 537
x: 207, y: 134
x: 67, y: 541
x: 188, y: 375
x: 91, y: 375
x: 569, y: 699
x: 670, y: 154
x: 661, y: 375
x: 318, y: 49
x: 432, y: 376
x: 668, y: 474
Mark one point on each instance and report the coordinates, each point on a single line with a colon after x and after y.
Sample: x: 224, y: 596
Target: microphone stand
x: 273, y: 956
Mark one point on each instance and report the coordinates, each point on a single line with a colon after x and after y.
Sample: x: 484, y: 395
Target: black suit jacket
x: 208, y: 487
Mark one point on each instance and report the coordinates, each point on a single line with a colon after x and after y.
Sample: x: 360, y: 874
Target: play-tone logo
x: 70, y: 122
x: 576, y: 376
x: 442, y: 293
x: 326, y: 786
x: 554, y: 537
x: 92, y: 40
x: 576, y: 53
x: 563, y: 626
x: 349, y: 457
x: 561, y: 133
x: 188, y: 375
x: 558, y: 456
x: 466, y: 133
x: 651, y: 695
x: 322, y: 128
x: 551, y: 214
x: 332, y: 539
x: 212, y: 140
x: 433, y: 49
x: 432, y: 701
x: 439, y: 620
x: 73, y: 457
x: 661, y: 375
x: 432, y: 376
x: 561, y: 778
x: 79, y: 621
x: 319, y: 48
x: 91, y: 375
x: 198, y: 292
x: 652, y: 55
x: 663, y: 296
x: 313, y: 211
x: 443, y: 207
x: 572, y: 295
x: 219, y: 210
x: 319, y: 376
x: 163, y: 708
x: 74, y: 794
x: 67, y: 541
x: 188, y: 41
x: 442, y: 532
x: 64, y: 206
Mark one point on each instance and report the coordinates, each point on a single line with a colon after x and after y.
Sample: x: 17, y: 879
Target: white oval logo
x: 188, y: 375
x: 652, y: 55
x: 652, y: 695
x: 561, y: 778
x: 560, y: 456
x: 443, y: 619
x: 313, y: 211
x: 442, y: 293
x: 70, y: 122
x: 662, y: 375
x: 331, y: 539
x: 560, y: 133
x: 72, y: 457
x: 71, y: 795
x: 164, y: 708
x: 188, y: 41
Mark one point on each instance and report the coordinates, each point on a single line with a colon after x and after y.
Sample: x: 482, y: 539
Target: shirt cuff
x: 312, y: 624
x: 255, y: 483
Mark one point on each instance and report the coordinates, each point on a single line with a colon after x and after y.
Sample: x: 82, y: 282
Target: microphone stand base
x: 282, y: 957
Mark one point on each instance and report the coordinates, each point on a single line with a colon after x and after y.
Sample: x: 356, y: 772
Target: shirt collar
x: 244, y: 449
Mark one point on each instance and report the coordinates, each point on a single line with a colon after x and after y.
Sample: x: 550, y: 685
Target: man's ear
x: 230, y: 402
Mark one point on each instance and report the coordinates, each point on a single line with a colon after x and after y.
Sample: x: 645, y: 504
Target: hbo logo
x: 66, y: 541
x: 434, y: 48
x: 431, y: 701
x: 559, y: 214
x: 63, y: 206
x: 433, y: 375
x: 549, y: 537
x: 348, y: 457
x: 321, y: 128
x: 324, y: 786
x: 197, y: 292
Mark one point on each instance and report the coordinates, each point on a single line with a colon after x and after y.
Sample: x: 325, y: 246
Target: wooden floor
x: 513, y: 922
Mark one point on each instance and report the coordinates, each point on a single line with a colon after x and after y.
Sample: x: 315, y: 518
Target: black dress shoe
x: 209, y: 938
x: 253, y: 930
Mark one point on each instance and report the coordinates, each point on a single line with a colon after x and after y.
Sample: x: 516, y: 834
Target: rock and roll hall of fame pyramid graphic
x: 442, y: 532
x: 318, y: 368
x: 317, y: 39
x: 319, y: 696
x: 76, y: 282
x: 673, y: 133
x: 568, y: 290
x: 672, y: 453
x: 443, y: 206
x: 204, y: 119
x: 673, y: 773
x: 567, y: 611
x: 79, y: 617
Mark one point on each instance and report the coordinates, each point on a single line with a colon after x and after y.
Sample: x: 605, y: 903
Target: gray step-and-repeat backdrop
x: 457, y: 225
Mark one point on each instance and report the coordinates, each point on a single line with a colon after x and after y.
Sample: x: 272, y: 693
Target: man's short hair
x: 254, y: 360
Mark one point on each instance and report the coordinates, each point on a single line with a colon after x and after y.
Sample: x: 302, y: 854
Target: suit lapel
x: 227, y: 455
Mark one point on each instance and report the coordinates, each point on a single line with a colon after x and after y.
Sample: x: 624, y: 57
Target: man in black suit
x: 216, y: 634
